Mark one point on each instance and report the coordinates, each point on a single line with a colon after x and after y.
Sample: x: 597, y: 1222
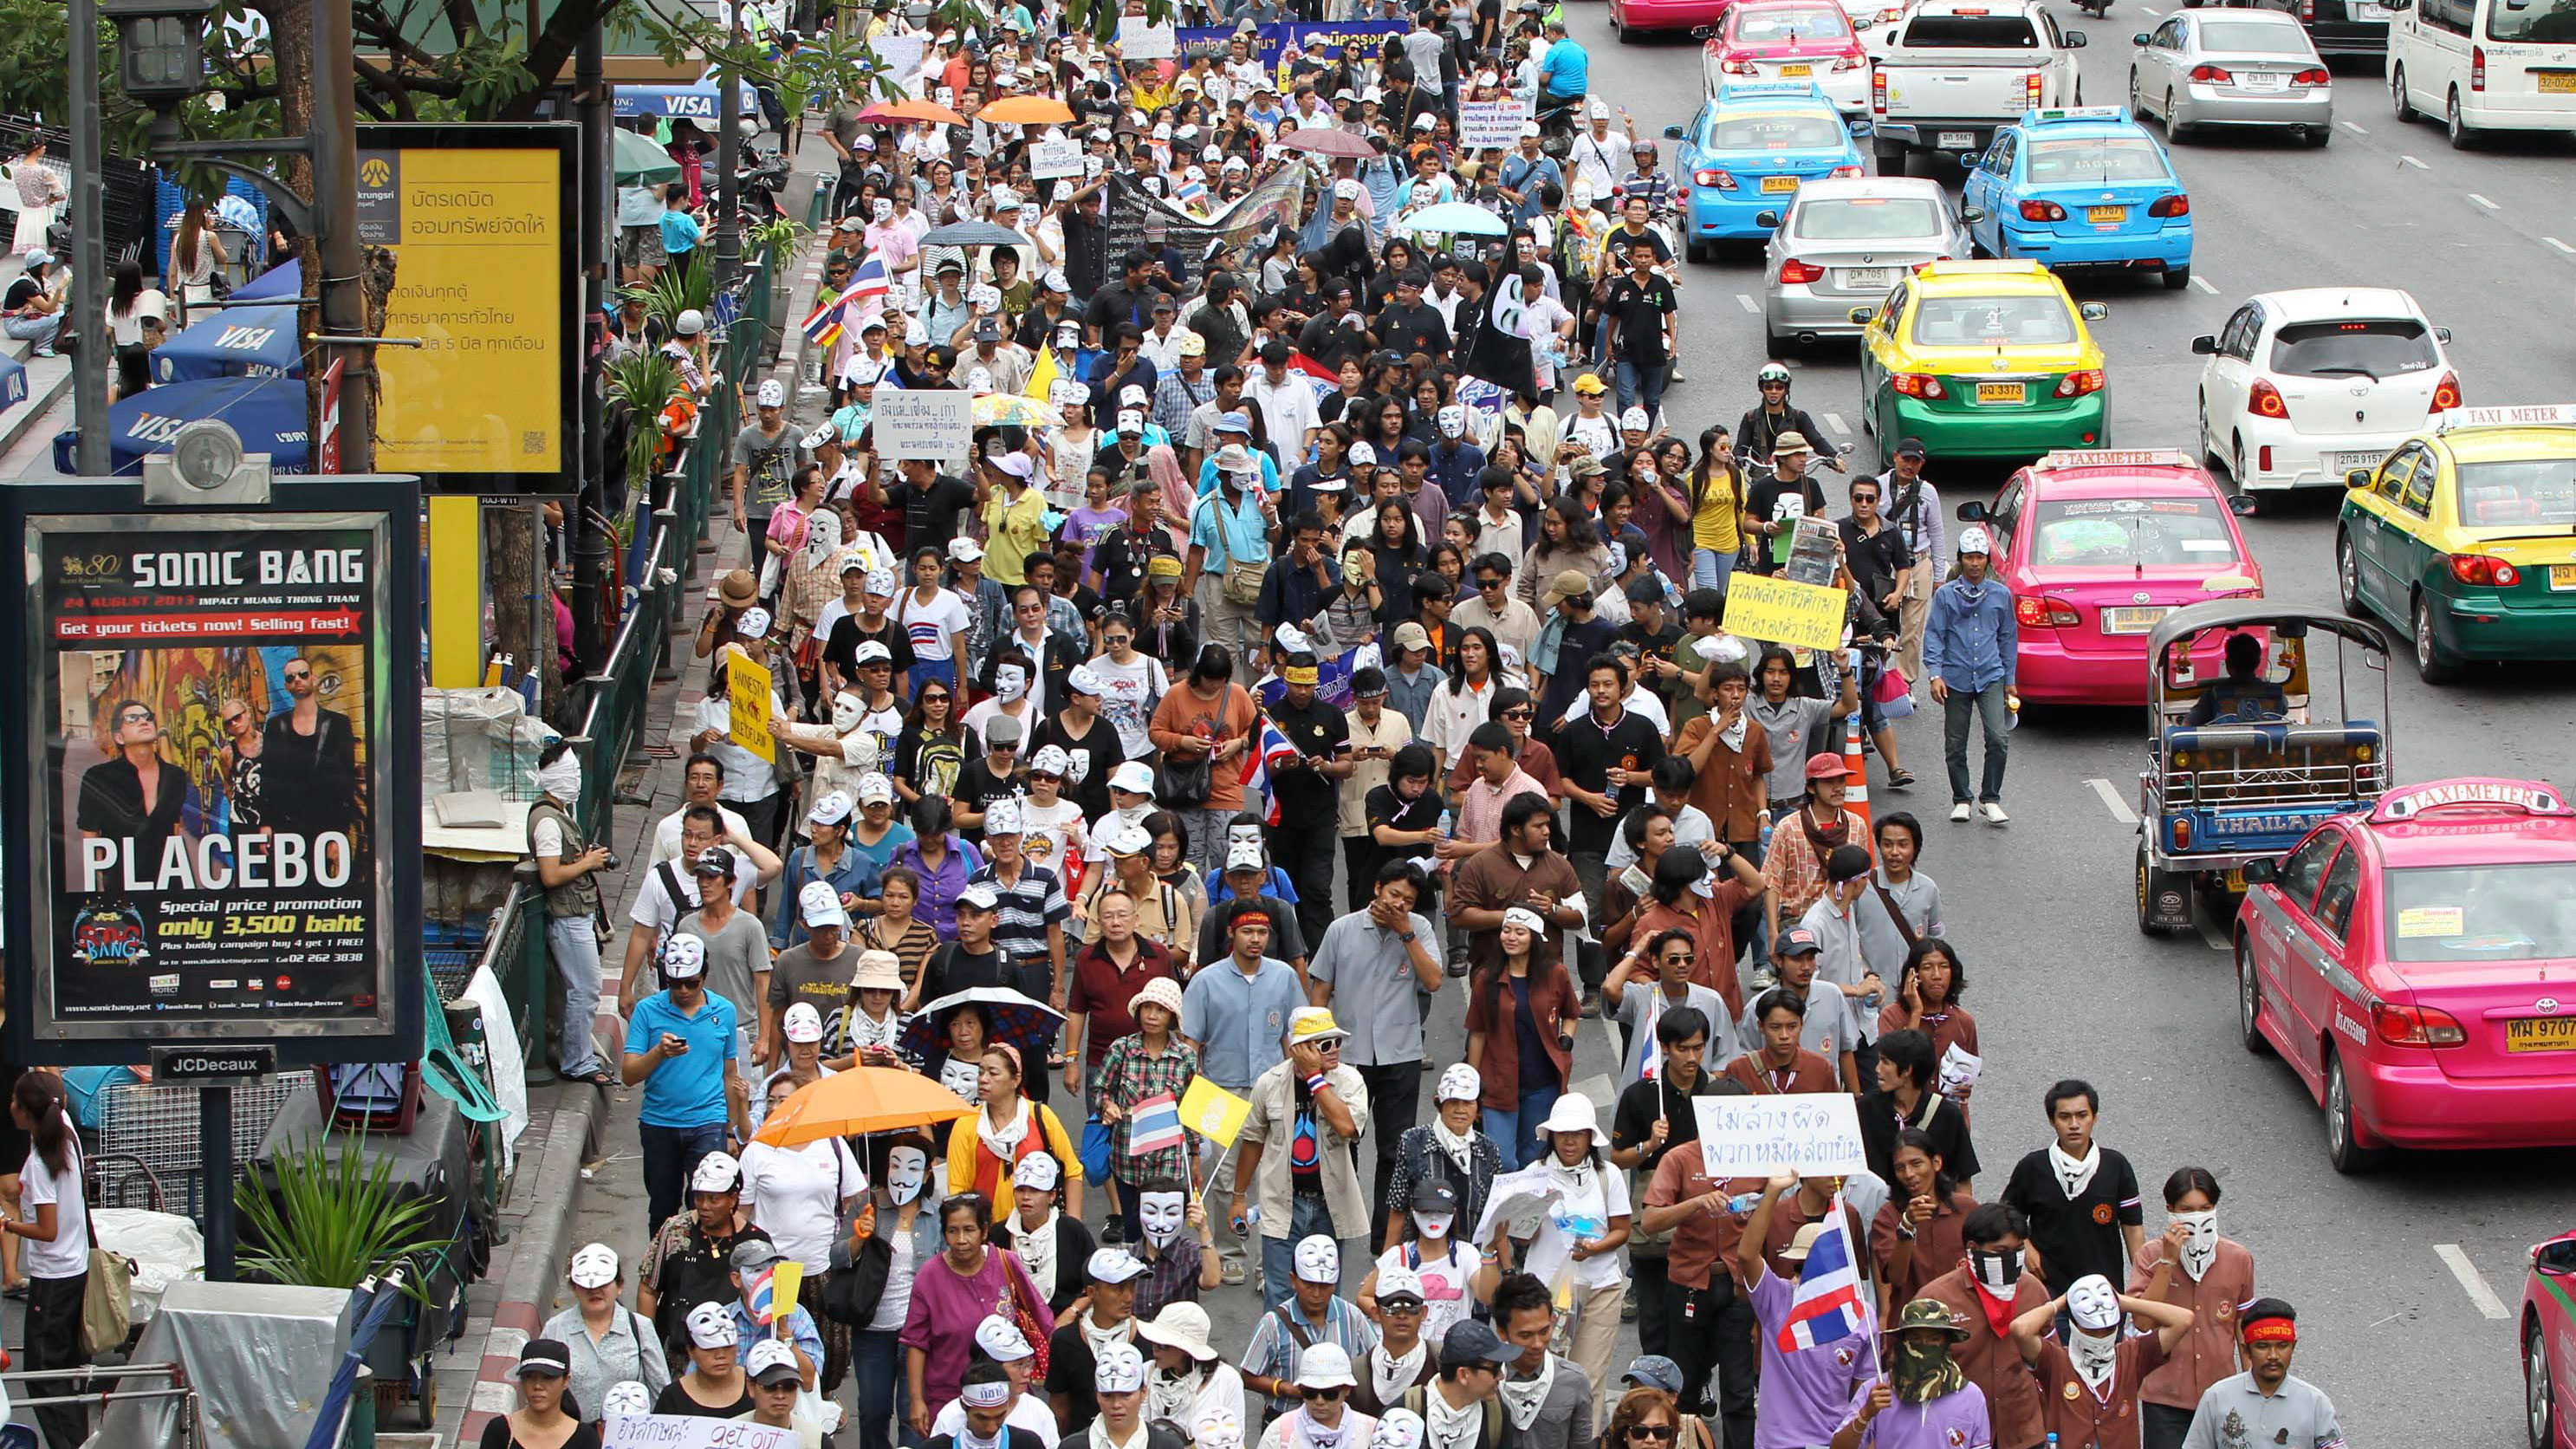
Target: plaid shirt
x: 1170, y: 1276
x: 1175, y: 399
x: 1795, y: 873
x: 1130, y: 1074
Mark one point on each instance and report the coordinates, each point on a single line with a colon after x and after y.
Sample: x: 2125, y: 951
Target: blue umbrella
x: 283, y: 280
x: 268, y: 412
x: 13, y: 382
x: 238, y: 341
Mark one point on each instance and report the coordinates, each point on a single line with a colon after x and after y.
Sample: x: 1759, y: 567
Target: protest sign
x: 1049, y: 159
x: 688, y: 1431
x: 1489, y: 123
x: 1139, y: 39
x: 1776, y: 610
x: 1813, y: 1134
x: 747, y: 701
x: 935, y: 423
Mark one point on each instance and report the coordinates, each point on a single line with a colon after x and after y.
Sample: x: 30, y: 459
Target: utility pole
x: 728, y: 157
x: 334, y: 140
x: 89, y: 244
x: 590, y: 540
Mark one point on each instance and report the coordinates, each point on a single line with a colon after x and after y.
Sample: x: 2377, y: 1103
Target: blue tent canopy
x: 268, y: 412
x: 254, y: 341
x: 13, y: 382
x: 283, y: 280
x: 680, y: 103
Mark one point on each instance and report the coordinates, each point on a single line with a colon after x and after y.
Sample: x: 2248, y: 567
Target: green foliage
x: 334, y: 1219
x: 640, y: 382
x: 775, y: 238
x: 684, y: 287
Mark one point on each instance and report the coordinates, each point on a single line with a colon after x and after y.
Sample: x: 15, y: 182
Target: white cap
x: 711, y: 1325
x: 1135, y: 777
x: 1326, y: 1365
x: 1600, y: 110
x: 832, y: 809
x: 1050, y: 760
x: 1347, y: 188
x: 1002, y: 1340
x: 772, y: 394
x: 875, y: 789
x: 716, y: 1172
x: 1528, y: 129
x: 1635, y: 420
x: 1083, y: 679
x: 980, y: 895
x: 1038, y: 1170
x: 767, y: 1357
x: 684, y: 958
x: 595, y: 1266
x: 801, y: 1021
x: 1129, y: 839
x: 821, y: 436
x: 1319, y: 1260
x: 689, y: 323
x: 1114, y: 1265
x: 964, y: 549
x: 1397, y: 1280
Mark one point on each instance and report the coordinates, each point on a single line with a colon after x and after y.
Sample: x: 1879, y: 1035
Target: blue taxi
x: 1747, y: 152
x: 2085, y: 187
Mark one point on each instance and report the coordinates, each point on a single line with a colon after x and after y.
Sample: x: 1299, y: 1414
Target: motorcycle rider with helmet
x: 1766, y: 420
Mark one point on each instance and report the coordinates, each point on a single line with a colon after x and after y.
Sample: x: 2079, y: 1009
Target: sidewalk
x: 579, y: 1136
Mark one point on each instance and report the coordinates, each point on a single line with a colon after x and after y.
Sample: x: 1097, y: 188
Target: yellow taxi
x: 1983, y: 359
x: 2465, y: 536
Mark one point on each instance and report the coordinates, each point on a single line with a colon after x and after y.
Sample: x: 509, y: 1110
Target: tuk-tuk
x: 2244, y: 763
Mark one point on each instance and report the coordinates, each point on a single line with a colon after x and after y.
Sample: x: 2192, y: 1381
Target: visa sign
x: 246, y: 339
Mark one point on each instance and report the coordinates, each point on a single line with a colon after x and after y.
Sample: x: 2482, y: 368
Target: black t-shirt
x: 1641, y: 308
x: 698, y: 1271
x: 1774, y: 500
x: 1655, y: 644
x: 1948, y: 1130
x: 842, y: 649
x: 1329, y: 339
x: 1621, y: 240
x: 930, y: 513
x: 1419, y: 328
x: 1287, y: 943
x: 1120, y: 561
x: 676, y: 1400
x: 1071, y: 1367
x: 1875, y: 559
x: 22, y: 291
x: 1092, y: 757
x: 2082, y: 1236
x: 1317, y: 732
x: 1585, y: 752
x: 1632, y: 1121
x: 1382, y: 806
x: 1580, y: 642
x: 952, y: 968
x: 978, y: 787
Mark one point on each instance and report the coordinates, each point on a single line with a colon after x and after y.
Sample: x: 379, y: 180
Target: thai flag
x: 1269, y: 748
x: 1828, y: 1306
x: 823, y: 324
x: 1324, y: 380
x: 762, y: 1297
x: 869, y: 279
x: 1153, y: 1125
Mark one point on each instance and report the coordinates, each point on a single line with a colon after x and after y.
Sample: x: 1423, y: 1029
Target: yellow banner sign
x: 1802, y: 616
x: 747, y: 698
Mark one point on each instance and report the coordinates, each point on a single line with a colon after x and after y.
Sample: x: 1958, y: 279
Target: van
x: 2484, y: 65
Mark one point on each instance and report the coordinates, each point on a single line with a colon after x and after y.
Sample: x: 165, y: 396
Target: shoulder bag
x: 107, y: 1313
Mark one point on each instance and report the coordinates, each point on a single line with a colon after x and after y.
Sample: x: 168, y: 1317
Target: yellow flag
x: 1212, y: 1111
x: 1041, y: 377
x: 784, y: 1279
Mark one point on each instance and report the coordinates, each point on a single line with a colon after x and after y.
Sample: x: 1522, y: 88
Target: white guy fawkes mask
x: 1010, y: 681
x: 1161, y: 1215
x: 1435, y: 1225
x: 958, y: 1074
x: 2092, y: 1303
x: 847, y: 711
x: 907, y: 1172
x: 1243, y: 835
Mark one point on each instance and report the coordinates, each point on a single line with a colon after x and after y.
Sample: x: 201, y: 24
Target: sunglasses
x: 1520, y: 714
x: 1650, y: 1431
x: 1322, y: 1396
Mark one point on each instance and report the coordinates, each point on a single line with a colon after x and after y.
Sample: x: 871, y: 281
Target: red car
x: 2416, y: 967
x: 1791, y: 40
x: 2097, y: 545
x: 2549, y: 1340
x: 1632, y: 19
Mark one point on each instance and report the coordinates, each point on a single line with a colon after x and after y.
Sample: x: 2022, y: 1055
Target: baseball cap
x: 1654, y: 1371
x: 771, y: 1363
x: 1635, y: 420
x: 1975, y: 539
x: 1398, y: 1281
x: 874, y: 790
x: 1113, y: 1265
x: 1313, y: 1025
x: 714, y: 860
x: 1912, y: 448
x: 832, y: 809
x: 964, y: 549
x: 872, y: 651
x: 1590, y: 383
x: 980, y: 896
x: 594, y: 1266
x: 753, y: 1254
x: 818, y: 904
x: 1193, y: 345
x: 1469, y: 1341
x: 1567, y: 585
x: 1826, y: 765
x: 1050, y: 760
x: 1798, y: 941
x: 1410, y: 635
x: 1134, y: 777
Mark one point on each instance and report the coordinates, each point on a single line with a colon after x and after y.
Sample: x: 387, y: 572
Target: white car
x: 2304, y: 386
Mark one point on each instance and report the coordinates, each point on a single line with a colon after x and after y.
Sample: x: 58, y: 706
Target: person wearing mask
x: 1053, y: 1243
x: 891, y: 1239
x: 1309, y: 1340
x: 1929, y: 1400
x: 2081, y: 1198
x: 714, y: 1386
x: 1985, y: 1292
x: 2212, y: 1277
x: 1970, y: 642
x: 1295, y: 1155
x: 567, y: 868
x: 2266, y: 1404
x: 1448, y: 1152
x: 604, y: 1341
x: 1379, y: 966
x: 982, y: 1413
x: 2114, y: 1340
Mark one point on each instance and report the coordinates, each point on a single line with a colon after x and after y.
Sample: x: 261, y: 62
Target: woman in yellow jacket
x: 984, y: 1148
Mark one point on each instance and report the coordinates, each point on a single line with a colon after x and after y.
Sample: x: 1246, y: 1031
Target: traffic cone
x: 1856, y: 787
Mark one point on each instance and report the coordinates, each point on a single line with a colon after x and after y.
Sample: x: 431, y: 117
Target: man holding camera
x: 568, y: 866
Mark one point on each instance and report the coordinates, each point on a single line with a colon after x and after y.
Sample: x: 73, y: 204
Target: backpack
x: 1490, y: 1436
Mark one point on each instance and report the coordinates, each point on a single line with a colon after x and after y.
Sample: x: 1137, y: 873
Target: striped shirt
x: 1026, y: 909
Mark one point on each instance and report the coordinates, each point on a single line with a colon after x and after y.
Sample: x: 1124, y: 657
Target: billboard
x: 213, y: 775
x: 483, y: 221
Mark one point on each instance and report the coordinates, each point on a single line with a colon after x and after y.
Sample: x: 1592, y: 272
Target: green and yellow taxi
x: 1982, y: 359
x: 2465, y: 536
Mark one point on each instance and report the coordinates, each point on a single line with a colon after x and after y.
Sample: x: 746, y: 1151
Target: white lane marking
x: 1746, y: 301
x: 2118, y: 807
x: 2472, y: 1282
x: 2482, y: 201
x: 2562, y: 246
x: 2204, y: 284
x: 2353, y: 127
x: 2411, y: 161
x: 1835, y: 422
x: 2213, y: 934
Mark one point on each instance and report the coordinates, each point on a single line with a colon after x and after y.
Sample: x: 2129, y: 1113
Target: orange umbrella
x: 1026, y: 111
x: 909, y: 110
x: 858, y: 1101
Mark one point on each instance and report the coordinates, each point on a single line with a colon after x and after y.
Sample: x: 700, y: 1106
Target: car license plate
x: 1797, y: 70
x: 2339, y: 464
x: 1874, y: 277
x: 1779, y: 183
x: 2540, y: 1034
x: 2132, y: 621
x: 2554, y: 82
x: 2236, y: 880
x: 2562, y: 577
x: 1955, y: 140
x: 2000, y: 392
x: 2364, y: 10
x: 2100, y: 214
x: 2263, y: 80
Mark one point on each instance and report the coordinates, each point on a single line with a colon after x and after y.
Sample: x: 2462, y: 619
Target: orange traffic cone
x: 1856, y: 787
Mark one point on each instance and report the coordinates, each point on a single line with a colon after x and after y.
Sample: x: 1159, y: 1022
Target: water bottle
x: 1447, y: 818
x: 1745, y: 1202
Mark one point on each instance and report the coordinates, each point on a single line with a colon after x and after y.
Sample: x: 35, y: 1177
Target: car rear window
x: 1970, y: 32
x: 1775, y: 133
x: 2242, y: 37
x: 2353, y: 347
x: 1868, y: 218
x: 2125, y: 532
x: 1992, y: 321
x: 2465, y: 913
x: 2539, y: 22
x: 2516, y: 497
x: 1758, y: 26
x: 2096, y: 158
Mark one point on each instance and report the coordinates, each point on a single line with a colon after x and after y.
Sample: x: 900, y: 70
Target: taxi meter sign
x: 2527, y: 796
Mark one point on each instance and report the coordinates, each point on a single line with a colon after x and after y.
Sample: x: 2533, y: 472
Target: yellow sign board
x: 482, y: 246
x: 1778, y: 611
x: 747, y: 699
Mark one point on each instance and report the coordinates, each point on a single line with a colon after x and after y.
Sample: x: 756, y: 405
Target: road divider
x: 2482, y: 201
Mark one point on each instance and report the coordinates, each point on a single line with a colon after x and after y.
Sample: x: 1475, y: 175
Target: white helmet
x: 1771, y: 372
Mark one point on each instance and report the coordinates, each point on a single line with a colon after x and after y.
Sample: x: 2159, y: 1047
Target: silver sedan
x: 1843, y: 244
x: 2232, y: 67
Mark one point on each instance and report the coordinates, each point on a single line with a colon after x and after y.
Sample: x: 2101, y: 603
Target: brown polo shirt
x: 2076, y: 1415
x: 1704, y: 1240
x: 1988, y: 1358
x: 1730, y: 787
x: 1493, y: 879
x: 1811, y: 1074
x: 1938, y: 1246
x: 2207, y: 1352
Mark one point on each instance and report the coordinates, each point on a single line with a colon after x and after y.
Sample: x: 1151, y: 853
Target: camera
x: 613, y: 863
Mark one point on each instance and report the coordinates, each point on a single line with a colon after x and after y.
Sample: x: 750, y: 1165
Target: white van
x: 2484, y: 65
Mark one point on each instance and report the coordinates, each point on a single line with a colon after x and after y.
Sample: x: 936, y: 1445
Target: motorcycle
x: 2095, y: 8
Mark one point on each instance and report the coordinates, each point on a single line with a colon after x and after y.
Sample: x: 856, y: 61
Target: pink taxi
x: 2416, y: 967
x: 1790, y: 40
x: 2098, y: 545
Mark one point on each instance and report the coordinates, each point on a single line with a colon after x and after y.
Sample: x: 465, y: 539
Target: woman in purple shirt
x: 942, y: 859
x: 951, y: 1295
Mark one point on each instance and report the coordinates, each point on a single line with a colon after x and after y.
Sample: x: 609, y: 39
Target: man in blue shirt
x: 1566, y: 72
x: 1969, y: 640
x: 1235, y: 1014
x: 684, y: 1045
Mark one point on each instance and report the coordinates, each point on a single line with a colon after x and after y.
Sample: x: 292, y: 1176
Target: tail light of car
x: 2477, y: 67
x: 2178, y: 204
x: 2417, y: 1026
x: 2263, y: 400
x: 1878, y: 92
x: 2315, y: 75
x: 2042, y: 211
x: 1917, y: 384
x: 1843, y: 173
x: 2080, y: 382
x: 2307, y: 12
x: 2030, y: 88
x: 1891, y: 14
x: 2212, y: 75
x: 2485, y: 571
x: 1712, y: 176
x: 1850, y: 60
x: 1797, y: 273
x: 2446, y: 393
x: 2039, y: 611
x: 1737, y: 63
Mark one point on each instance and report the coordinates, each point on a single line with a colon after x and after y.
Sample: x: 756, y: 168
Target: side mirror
x: 2242, y: 505
x: 2442, y: 334
x: 1672, y: 133
x: 2357, y: 478
x: 1969, y: 161
x: 2075, y: 40
x: 2205, y: 345
x: 2140, y: 39
x: 1973, y: 512
x: 2094, y: 311
x: 2556, y: 1259
x: 1862, y: 126
x: 1862, y: 316
x: 1769, y: 220
x: 2262, y: 872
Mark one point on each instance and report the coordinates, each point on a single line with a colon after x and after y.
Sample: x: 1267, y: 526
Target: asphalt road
x: 2064, y: 984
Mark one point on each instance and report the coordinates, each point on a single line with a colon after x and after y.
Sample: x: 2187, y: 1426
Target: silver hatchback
x: 2232, y: 67
x: 1843, y: 244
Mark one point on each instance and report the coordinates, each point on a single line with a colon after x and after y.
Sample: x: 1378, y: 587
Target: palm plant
x: 640, y: 382
x: 688, y: 285
x: 333, y: 1220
